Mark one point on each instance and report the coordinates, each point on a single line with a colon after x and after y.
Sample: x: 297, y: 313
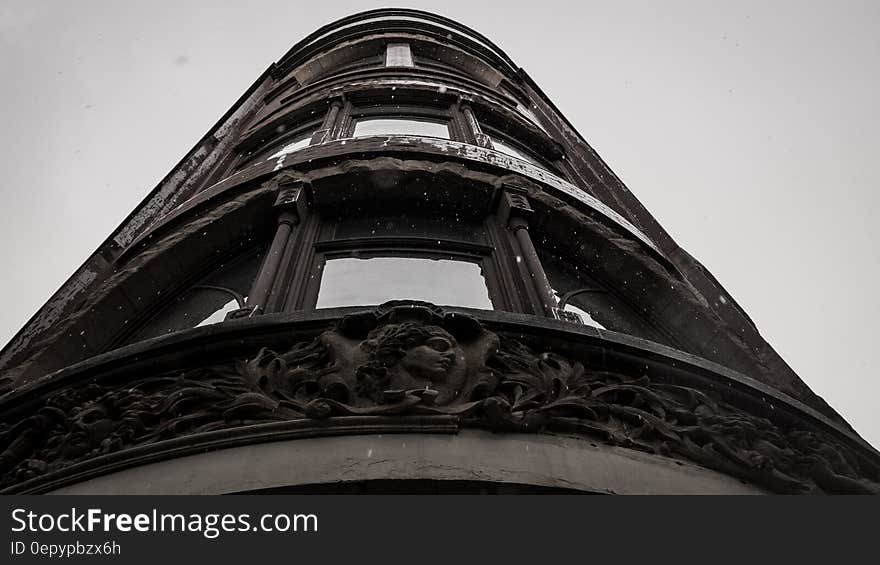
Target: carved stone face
x: 431, y: 360
x: 90, y: 425
x: 411, y: 356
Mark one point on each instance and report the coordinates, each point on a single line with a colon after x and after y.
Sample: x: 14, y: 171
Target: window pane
x: 585, y: 315
x: 295, y: 144
x: 220, y: 314
x: 596, y: 306
x: 508, y: 149
x: 401, y: 126
x: 206, y: 302
x: 356, y: 282
x: 529, y: 114
x: 398, y: 55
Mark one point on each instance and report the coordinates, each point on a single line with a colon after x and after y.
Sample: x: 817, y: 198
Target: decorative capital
x: 292, y: 196
x: 514, y: 204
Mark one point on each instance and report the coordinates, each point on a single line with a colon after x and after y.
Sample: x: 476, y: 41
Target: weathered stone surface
x: 471, y: 455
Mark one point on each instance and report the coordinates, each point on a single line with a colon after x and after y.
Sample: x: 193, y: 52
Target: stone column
x: 473, y: 125
x: 515, y: 209
x: 325, y: 132
x: 291, y: 206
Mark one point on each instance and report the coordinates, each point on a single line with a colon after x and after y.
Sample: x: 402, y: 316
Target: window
x: 398, y: 55
x: 206, y: 302
x: 525, y: 111
x: 503, y: 147
x: 578, y: 292
x: 401, y: 126
x: 279, y: 146
x: 368, y: 256
x: 351, y: 281
x: 295, y: 144
x: 514, y: 150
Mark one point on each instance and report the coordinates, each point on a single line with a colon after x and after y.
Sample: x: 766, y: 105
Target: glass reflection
x: 352, y: 281
x: 295, y: 144
x: 585, y: 296
x: 398, y: 55
x: 220, y: 315
x: 401, y: 126
x: 205, y: 303
x: 508, y: 149
x: 585, y: 315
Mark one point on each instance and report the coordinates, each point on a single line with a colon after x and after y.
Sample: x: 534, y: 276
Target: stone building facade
x: 394, y: 266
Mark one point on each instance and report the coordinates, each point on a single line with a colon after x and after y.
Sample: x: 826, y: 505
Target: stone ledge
x: 471, y: 455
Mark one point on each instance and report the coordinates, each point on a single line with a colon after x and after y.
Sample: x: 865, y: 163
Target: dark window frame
x: 196, y: 280
x: 404, y: 247
x: 318, y: 244
x: 514, y: 129
x: 415, y: 111
x: 641, y: 323
x: 262, y: 152
x: 504, y: 135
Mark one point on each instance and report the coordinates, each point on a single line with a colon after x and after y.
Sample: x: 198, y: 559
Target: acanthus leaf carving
x: 412, y: 358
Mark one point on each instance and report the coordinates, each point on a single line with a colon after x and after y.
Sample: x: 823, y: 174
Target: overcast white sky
x: 749, y: 130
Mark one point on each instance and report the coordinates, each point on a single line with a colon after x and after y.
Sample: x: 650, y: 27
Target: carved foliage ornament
x: 412, y: 359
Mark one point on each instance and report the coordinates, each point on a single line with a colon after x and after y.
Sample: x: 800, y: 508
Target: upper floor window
x: 525, y: 111
x: 510, y: 147
x: 294, y: 144
x: 422, y: 127
x: 507, y: 149
x: 398, y: 55
x: 285, y: 144
x: 409, y: 116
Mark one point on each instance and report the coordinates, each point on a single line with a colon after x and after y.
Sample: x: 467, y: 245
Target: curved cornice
x: 373, y: 21
x: 440, y: 85
x: 312, y: 158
